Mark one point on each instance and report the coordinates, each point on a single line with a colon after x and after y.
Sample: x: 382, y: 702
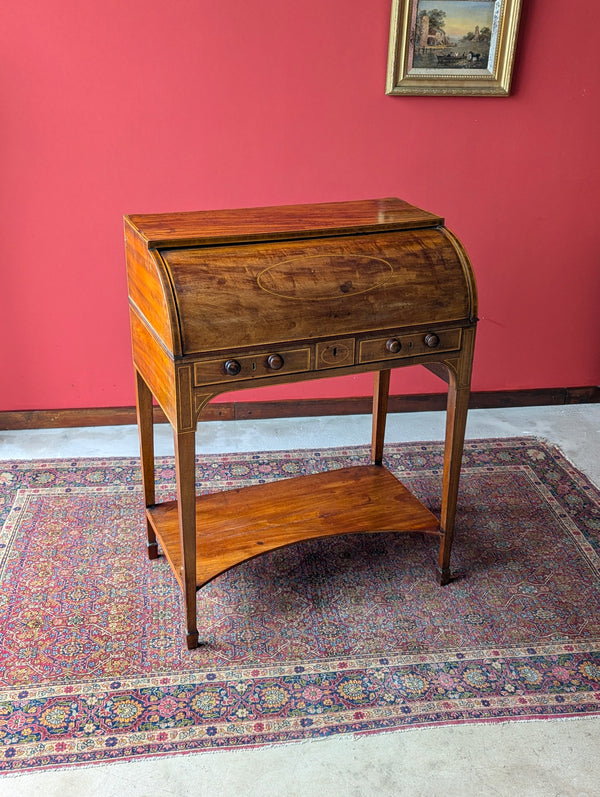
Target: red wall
x: 117, y: 107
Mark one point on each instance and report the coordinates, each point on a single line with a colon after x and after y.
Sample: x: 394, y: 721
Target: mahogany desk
x: 231, y: 299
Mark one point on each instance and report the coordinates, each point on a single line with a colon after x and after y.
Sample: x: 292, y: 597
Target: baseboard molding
x: 292, y: 408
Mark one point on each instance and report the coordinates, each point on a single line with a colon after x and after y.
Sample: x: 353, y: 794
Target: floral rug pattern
x: 347, y: 634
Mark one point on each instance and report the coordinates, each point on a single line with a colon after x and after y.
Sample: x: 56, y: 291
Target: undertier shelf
x: 236, y: 525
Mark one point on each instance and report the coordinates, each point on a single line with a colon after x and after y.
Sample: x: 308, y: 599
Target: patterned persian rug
x: 340, y: 635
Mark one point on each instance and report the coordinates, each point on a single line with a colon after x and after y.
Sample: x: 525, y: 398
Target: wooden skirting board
x: 292, y: 408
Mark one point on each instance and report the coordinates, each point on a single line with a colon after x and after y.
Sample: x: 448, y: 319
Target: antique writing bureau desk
x: 230, y: 299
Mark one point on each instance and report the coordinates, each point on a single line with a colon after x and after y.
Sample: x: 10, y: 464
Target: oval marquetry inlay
x: 325, y: 276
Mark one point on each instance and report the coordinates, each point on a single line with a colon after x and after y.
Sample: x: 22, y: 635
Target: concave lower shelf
x: 236, y: 525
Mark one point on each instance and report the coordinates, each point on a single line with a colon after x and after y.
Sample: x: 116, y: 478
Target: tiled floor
x: 532, y: 759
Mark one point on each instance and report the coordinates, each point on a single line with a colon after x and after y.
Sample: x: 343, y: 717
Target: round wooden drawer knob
x: 232, y: 367
x: 393, y: 345
x: 431, y: 340
x: 275, y: 362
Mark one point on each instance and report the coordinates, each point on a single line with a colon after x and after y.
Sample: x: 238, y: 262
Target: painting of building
x: 453, y: 34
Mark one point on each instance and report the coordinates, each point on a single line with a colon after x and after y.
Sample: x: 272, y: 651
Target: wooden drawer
x: 252, y: 366
x: 393, y: 347
x: 335, y: 353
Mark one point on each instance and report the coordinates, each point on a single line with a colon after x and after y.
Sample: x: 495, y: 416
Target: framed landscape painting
x: 452, y: 47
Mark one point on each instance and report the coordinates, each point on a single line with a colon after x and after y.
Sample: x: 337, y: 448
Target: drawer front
x: 394, y: 347
x: 335, y: 353
x: 257, y: 366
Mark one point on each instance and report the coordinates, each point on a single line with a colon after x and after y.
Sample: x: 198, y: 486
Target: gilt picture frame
x: 452, y: 47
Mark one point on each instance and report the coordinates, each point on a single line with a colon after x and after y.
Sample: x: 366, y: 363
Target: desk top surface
x: 199, y: 228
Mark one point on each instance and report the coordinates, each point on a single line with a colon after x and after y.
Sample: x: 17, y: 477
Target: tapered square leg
x: 456, y: 371
x: 185, y: 449
x: 381, y: 389
x: 456, y: 420
x: 145, y: 422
